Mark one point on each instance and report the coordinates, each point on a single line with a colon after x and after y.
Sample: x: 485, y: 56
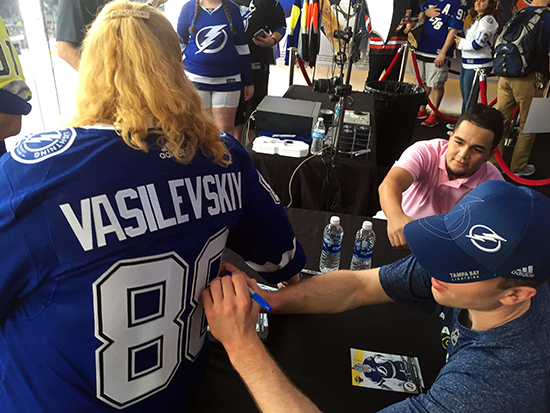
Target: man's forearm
x: 449, y: 41
x: 68, y: 52
x: 272, y: 391
x: 329, y: 293
x: 391, y: 197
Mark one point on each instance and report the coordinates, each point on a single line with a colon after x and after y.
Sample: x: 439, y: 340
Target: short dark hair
x: 506, y: 283
x: 484, y: 117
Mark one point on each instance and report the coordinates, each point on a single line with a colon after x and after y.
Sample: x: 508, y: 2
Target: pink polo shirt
x: 432, y: 192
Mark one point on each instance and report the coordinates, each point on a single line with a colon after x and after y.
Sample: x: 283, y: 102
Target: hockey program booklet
x: 386, y: 371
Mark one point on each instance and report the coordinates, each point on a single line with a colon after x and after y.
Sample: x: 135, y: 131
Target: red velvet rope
x: 421, y: 84
x: 303, y: 69
x: 392, y: 64
x: 515, y: 178
x: 483, y: 91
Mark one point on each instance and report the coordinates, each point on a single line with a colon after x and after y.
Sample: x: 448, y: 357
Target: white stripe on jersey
x: 433, y: 56
x: 242, y: 49
x: 381, y: 42
x: 213, y: 80
x: 269, y: 266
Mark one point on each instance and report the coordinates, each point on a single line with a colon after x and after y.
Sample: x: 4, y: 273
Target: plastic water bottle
x: 317, y: 136
x: 362, y: 250
x: 332, y: 244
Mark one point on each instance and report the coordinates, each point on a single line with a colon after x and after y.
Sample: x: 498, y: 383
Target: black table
x: 350, y: 187
x: 314, y: 350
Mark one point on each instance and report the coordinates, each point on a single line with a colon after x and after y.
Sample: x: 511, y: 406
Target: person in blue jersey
x: 476, y: 46
x: 111, y: 228
x: 443, y: 19
x: 481, y: 269
x: 217, y: 57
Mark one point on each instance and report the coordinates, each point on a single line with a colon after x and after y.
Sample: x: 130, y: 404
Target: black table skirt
x: 350, y: 187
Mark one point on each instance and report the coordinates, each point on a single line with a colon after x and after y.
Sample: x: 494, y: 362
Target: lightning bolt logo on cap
x: 491, y: 238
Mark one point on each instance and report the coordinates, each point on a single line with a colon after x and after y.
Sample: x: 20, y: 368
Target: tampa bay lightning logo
x: 211, y: 39
x: 481, y: 234
x: 36, y: 148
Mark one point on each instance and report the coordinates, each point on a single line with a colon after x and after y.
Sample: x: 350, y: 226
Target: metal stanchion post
x: 292, y: 65
x: 404, y: 50
x: 472, y: 98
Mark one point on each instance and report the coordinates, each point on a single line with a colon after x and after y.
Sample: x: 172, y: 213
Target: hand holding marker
x: 256, y: 297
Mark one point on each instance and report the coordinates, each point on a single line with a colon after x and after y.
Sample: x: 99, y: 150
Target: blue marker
x: 256, y: 297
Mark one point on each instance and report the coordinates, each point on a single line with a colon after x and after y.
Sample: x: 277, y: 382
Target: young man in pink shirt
x: 431, y: 176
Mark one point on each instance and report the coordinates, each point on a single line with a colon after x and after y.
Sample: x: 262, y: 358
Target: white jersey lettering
x: 83, y: 232
x: 224, y: 199
x: 147, y: 208
x: 161, y: 221
x: 195, y: 196
x: 237, y: 185
x: 131, y: 212
x: 100, y: 228
x: 177, y: 200
x: 212, y: 196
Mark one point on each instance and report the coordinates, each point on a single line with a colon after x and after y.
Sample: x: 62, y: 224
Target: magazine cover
x: 386, y: 371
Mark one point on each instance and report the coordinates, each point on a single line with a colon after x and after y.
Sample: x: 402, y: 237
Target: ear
x: 491, y: 154
x: 517, y: 295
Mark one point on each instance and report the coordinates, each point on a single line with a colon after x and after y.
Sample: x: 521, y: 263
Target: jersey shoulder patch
x: 41, y: 146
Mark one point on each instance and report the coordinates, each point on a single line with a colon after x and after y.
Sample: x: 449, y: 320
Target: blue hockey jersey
x: 215, y: 59
x: 105, y: 253
x: 435, y: 29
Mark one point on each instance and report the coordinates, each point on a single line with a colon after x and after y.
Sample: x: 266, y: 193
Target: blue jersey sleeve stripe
x: 475, y: 45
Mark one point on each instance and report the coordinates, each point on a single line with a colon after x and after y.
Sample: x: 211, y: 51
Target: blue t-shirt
x: 435, y: 29
x: 215, y: 59
x: 105, y: 253
x: 504, y: 369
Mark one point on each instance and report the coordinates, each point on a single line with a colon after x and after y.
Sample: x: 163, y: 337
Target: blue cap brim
x: 13, y: 104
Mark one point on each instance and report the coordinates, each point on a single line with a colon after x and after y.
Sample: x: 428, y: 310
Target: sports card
x: 386, y: 371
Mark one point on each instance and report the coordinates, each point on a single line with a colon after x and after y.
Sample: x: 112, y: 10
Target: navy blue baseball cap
x: 497, y: 230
